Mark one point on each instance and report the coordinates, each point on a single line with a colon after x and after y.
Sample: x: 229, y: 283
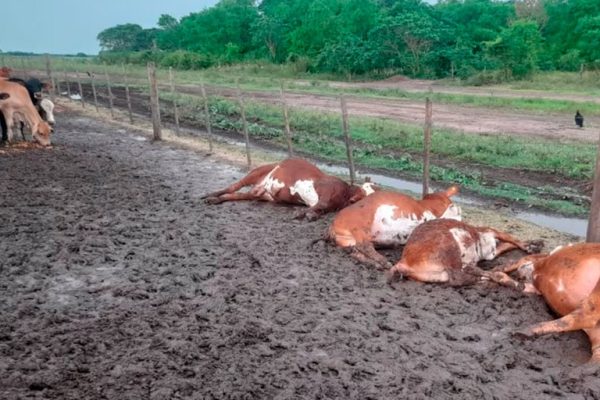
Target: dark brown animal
x: 294, y: 181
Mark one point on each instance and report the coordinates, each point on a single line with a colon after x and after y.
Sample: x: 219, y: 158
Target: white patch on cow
x: 48, y: 107
x: 482, y: 249
x: 453, y: 212
x: 525, y: 271
x: 306, y: 191
x: 487, y: 246
x: 367, y: 187
x: 388, y: 231
x: 560, y: 287
x: 270, y: 185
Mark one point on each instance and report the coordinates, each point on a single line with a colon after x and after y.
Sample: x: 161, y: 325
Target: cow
x: 294, y: 181
x: 569, y: 280
x: 579, y: 119
x: 386, y: 219
x: 44, y: 106
x: 19, y: 102
x: 446, y: 250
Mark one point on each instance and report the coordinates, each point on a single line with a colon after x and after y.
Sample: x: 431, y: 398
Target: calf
x: 387, y: 219
x: 19, y: 102
x: 569, y: 280
x: 448, y: 251
x: 294, y: 181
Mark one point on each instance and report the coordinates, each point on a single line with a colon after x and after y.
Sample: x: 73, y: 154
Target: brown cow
x: 447, y: 250
x: 569, y: 280
x: 19, y: 102
x: 294, y: 181
x: 387, y: 219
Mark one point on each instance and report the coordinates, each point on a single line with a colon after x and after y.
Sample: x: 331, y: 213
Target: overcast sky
x: 71, y: 26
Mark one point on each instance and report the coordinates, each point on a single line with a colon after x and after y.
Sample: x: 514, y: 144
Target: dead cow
x: 569, y: 280
x: 294, y: 181
x: 386, y: 219
x: 448, y: 251
x: 19, y: 102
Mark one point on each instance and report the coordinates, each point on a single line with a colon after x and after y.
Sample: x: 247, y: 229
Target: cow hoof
x: 299, y: 215
x: 212, y: 200
x: 522, y: 334
x: 535, y: 246
x: 392, y: 275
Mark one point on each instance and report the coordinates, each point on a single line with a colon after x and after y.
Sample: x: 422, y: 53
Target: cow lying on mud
x: 294, y: 181
x: 569, y: 280
x: 386, y: 219
x: 19, y: 103
x: 448, y: 251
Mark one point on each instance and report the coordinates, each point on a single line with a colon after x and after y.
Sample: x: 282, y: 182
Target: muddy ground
x: 118, y: 283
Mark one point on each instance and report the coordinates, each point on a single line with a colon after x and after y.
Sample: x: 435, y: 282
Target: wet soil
x: 118, y: 283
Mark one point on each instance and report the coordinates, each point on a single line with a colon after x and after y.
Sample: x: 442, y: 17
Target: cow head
x: 42, y: 133
x: 360, y: 192
x: 46, y: 110
x: 441, y: 206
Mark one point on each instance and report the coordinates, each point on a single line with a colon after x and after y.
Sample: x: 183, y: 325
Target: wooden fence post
x: 207, y: 116
x: 175, y: 110
x: 50, y: 78
x: 127, y: 96
x: 245, y: 124
x: 92, y: 75
x: 593, y: 228
x: 110, y: 95
x: 427, y: 144
x: 345, y: 129
x: 286, y: 119
x: 68, y: 85
x: 80, y: 89
x: 154, y: 104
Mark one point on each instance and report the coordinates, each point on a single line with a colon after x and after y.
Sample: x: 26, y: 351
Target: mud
x: 118, y: 283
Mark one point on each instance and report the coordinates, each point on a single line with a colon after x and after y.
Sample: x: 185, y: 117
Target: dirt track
x: 117, y: 283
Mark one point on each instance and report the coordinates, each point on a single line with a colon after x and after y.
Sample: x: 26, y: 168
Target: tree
x: 518, y: 48
x: 120, y: 37
x: 166, y: 22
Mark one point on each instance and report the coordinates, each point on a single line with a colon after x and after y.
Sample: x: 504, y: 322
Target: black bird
x: 578, y: 119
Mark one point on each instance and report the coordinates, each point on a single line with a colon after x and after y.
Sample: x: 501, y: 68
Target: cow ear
x: 4, y: 96
x: 452, y: 190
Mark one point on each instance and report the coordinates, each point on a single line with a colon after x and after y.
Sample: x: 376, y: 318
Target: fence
x: 169, y: 102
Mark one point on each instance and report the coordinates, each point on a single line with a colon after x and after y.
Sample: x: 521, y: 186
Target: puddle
x: 574, y: 226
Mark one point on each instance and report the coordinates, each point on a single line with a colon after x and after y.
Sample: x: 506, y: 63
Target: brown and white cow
x: 447, y: 250
x: 569, y: 280
x: 19, y: 102
x: 386, y: 219
x: 294, y: 181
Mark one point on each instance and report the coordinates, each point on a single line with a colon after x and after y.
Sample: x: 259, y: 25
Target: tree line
x: 491, y: 39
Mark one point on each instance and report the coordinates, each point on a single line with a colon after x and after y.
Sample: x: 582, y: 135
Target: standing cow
x: 18, y: 102
x: 294, y: 181
x: 569, y: 280
x: 386, y: 219
x: 448, y: 251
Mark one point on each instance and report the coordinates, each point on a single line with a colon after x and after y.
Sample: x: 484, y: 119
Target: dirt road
x: 118, y: 283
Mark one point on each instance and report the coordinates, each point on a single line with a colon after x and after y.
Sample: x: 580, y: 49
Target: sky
x: 71, y: 26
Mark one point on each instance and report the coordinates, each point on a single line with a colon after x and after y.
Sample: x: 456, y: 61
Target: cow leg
x: 366, y: 253
x: 530, y: 259
x: 8, y: 115
x: 251, y: 195
x: 586, y: 316
x: 3, y: 127
x: 312, y: 213
x: 594, y: 336
x: 508, y: 242
x: 255, y: 176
